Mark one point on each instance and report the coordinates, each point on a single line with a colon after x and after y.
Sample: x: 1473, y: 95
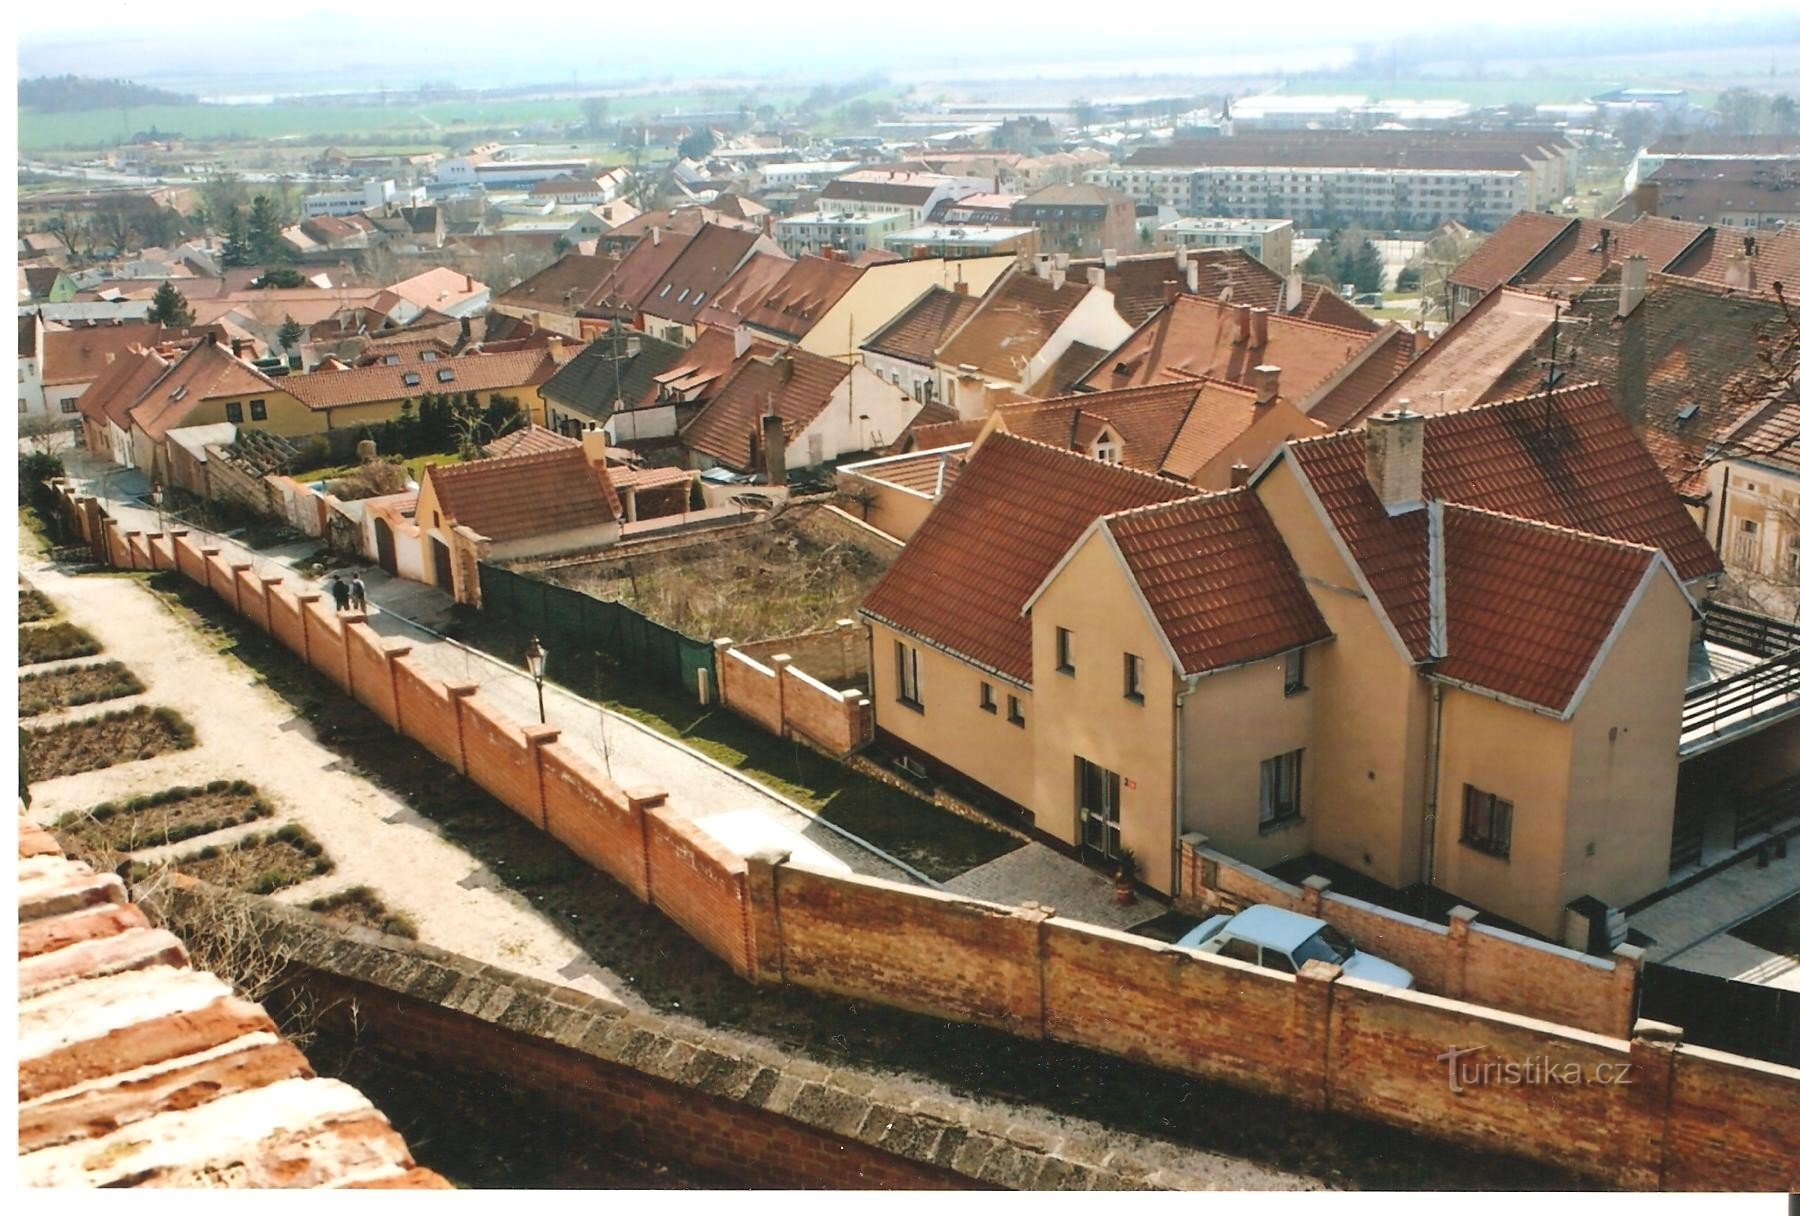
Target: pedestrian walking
x: 340, y: 592
x: 359, y: 595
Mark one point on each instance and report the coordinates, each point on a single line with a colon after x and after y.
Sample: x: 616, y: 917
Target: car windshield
x: 1325, y: 946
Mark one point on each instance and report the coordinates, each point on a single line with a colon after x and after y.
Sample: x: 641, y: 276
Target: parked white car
x: 1281, y: 941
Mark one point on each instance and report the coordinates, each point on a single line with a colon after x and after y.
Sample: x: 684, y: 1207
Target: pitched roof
x: 78, y: 356
x: 1219, y: 416
x: 705, y: 265
x: 792, y: 383
x: 638, y: 272
x: 1137, y: 280
x: 1565, y: 458
x: 439, y: 288
x: 1345, y: 396
x: 885, y: 186
x: 514, y: 497
x: 928, y: 472
x: 607, y: 372
x: 1473, y: 356
x: 1503, y: 255
x: 1704, y: 190
x: 1067, y: 370
x: 1773, y: 257
x: 1528, y: 607
x: 702, y: 365
x: 1586, y: 249
x: 466, y: 374
x: 962, y: 581
x: 121, y: 386
x: 805, y: 294
x: 1768, y: 433
x: 566, y: 284
x: 208, y: 371
x: 1146, y: 420
x: 921, y: 327
x: 1194, y: 337
x: 744, y: 290
x: 943, y: 433
x: 1217, y: 578
x: 528, y: 440
x: 1011, y: 323
x: 1319, y: 303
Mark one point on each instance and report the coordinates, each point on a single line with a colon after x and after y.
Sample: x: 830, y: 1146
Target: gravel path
x: 245, y: 731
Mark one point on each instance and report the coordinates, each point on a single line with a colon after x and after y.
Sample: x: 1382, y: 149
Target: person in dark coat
x: 340, y: 592
x: 359, y: 594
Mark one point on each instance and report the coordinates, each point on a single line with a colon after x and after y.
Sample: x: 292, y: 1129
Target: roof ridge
x: 1087, y: 460
x: 1559, y: 392
x: 490, y: 462
x: 1448, y: 505
x: 1151, y: 508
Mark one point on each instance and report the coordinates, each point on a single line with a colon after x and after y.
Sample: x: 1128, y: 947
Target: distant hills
x: 63, y: 94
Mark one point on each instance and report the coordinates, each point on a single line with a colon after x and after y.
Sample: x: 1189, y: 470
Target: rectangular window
x: 1280, y: 789
x: 1015, y: 713
x: 1294, y: 677
x: 1097, y: 806
x: 68, y: 405
x: 906, y: 677
x: 1065, y: 651
x: 259, y: 411
x: 1487, y: 822
x: 1134, y: 679
x: 234, y: 411
x: 987, y: 698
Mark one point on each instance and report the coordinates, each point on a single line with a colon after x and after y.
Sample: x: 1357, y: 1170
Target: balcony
x: 1743, y: 677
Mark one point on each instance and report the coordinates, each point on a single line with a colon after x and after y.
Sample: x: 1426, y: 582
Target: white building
x: 787, y: 175
x: 1269, y: 241
x: 853, y: 232
x: 368, y: 197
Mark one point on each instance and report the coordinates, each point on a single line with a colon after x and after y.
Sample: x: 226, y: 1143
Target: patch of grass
x: 166, y: 817
x: 34, y: 606
x: 261, y: 864
x: 43, y: 691
x: 362, y: 906
x: 53, y: 643
x: 118, y: 737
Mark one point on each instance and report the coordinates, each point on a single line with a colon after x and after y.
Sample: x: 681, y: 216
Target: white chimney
x: 1057, y: 277
x: 1109, y: 258
x: 1193, y: 278
x: 1062, y: 261
x: 1268, y: 383
x: 1181, y: 257
x: 741, y: 337
x: 1396, y: 458
x: 1634, y: 275
x: 655, y: 235
x: 1259, y: 328
x: 1096, y: 276
x: 1295, y: 293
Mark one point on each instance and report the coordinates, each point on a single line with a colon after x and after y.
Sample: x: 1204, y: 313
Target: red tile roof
x: 1472, y: 357
x: 1587, y: 249
x: 528, y: 440
x: 1319, y: 303
x: 941, y: 434
x: 704, y: 267
x: 136, y: 1070
x: 514, y: 497
x: 1146, y: 420
x: 963, y: 579
x: 468, y: 374
x: 1137, y: 280
x: 1775, y: 259
x: 121, y: 386
x: 1193, y: 338
x: 638, y: 272
x: 795, y: 384
x: 1345, y: 396
x: 805, y: 294
x: 1218, y: 579
x: 1566, y: 458
x: 1011, y: 323
x: 1528, y: 607
x: 207, y: 372
x: 78, y: 356
x: 1506, y: 253
x: 744, y: 290
x: 713, y: 354
x: 924, y: 472
x: 565, y: 285
x: 921, y: 327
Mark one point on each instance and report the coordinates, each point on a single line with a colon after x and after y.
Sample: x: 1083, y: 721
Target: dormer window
x: 445, y: 375
x: 1106, y: 449
x: 410, y: 379
x: 391, y: 360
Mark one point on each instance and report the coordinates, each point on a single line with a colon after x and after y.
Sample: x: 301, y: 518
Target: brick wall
x: 285, y: 621
x: 1690, y: 1117
x: 219, y: 577
x: 1464, y: 959
x: 836, y: 656
x: 139, y: 548
x: 750, y: 688
x: 371, y: 679
x: 252, y: 600
x: 162, y: 553
x: 785, y: 700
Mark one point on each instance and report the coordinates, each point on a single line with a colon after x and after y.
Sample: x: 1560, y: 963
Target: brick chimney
x: 1259, y: 328
x: 1605, y: 248
x: 1240, y: 474
x: 1268, y: 382
x: 1634, y: 275
x: 774, y: 448
x: 468, y: 282
x: 1649, y: 198
x: 1396, y: 458
x: 1171, y: 289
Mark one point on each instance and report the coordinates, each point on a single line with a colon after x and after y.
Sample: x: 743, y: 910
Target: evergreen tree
x: 290, y: 333
x: 264, y: 230
x: 237, y: 240
x: 169, y: 307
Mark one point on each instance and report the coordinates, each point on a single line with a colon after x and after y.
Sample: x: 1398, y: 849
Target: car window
x: 1325, y: 946
x: 1275, y: 960
x: 1243, y: 952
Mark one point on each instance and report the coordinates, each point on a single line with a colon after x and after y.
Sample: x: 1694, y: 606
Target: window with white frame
x: 1280, y: 797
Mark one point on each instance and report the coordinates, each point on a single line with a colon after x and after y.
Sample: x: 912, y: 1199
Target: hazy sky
x: 486, y: 43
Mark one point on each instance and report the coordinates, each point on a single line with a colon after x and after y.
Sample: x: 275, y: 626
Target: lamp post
x: 535, y: 655
x: 156, y: 499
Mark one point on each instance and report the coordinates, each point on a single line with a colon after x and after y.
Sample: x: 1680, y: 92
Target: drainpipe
x: 1176, y: 806
x: 1724, y: 497
x: 1433, y: 753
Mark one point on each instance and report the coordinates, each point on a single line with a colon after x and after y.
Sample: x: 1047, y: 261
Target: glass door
x: 1097, y: 805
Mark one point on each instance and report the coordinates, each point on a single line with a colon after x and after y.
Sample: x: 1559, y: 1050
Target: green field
x: 435, y: 123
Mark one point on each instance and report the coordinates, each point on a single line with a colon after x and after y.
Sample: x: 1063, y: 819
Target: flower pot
x: 1123, y: 894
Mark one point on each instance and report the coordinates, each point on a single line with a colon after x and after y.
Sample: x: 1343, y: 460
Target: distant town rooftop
x: 1208, y: 223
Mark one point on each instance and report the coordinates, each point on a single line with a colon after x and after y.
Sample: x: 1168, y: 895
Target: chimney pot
x: 1268, y: 383
x: 1259, y: 328
x: 468, y: 282
x: 1240, y: 474
x: 1396, y: 458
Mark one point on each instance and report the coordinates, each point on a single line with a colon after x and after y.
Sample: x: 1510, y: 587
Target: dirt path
x: 247, y: 732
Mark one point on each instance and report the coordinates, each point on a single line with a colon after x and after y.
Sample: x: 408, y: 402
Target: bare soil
x: 49, y: 643
x: 165, y: 817
x: 261, y: 864
x: 806, y: 568
x: 41, y: 692
x: 101, y: 742
x: 361, y: 906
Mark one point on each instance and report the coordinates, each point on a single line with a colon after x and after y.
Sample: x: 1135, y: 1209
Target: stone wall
x: 1689, y: 1117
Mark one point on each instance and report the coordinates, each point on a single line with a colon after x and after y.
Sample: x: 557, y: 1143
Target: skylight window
x: 1686, y: 412
x: 445, y: 375
x: 410, y: 379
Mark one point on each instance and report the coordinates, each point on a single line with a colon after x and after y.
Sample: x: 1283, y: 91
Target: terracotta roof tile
x: 466, y: 374
x: 1218, y: 579
x: 1473, y: 356
x: 566, y: 284
x: 1587, y: 249
x: 1194, y: 338
x: 795, y: 384
x: 942, y: 433
x: 928, y: 472
x: 638, y: 272
x: 702, y: 270
x: 1527, y: 606
x: 1136, y: 280
x: 1146, y: 420
x: 804, y: 295
x: 208, y: 371
x: 1011, y: 323
x: 519, y: 496
x: 1345, y: 396
x: 921, y: 327
x: 744, y: 290
x: 1319, y: 303
x: 1510, y: 248
x: 528, y: 440
x: 963, y: 579
x: 1775, y: 259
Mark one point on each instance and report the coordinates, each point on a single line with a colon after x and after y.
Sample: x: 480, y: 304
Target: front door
x: 440, y: 559
x: 1097, y: 806
x: 384, y: 546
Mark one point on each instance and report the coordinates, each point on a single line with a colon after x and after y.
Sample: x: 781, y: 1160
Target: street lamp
x: 535, y: 656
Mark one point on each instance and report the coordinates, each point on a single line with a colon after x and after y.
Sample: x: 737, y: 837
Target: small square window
x: 445, y: 375
x: 68, y: 405
x: 987, y: 697
x: 410, y: 379
x: 1065, y: 651
x: 1134, y: 679
x: 259, y: 411
x: 1015, y: 713
x: 234, y: 411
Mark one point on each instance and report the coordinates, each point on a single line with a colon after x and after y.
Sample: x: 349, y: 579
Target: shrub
x: 50, y: 643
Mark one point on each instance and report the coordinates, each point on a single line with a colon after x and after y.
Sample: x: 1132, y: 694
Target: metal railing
x: 1750, y: 632
x: 1742, y: 694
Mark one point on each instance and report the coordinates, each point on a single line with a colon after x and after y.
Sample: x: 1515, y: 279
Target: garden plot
x: 362, y: 907
x: 166, y: 817
x: 259, y: 864
x: 119, y: 737
x: 54, y: 643
x: 43, y: 692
